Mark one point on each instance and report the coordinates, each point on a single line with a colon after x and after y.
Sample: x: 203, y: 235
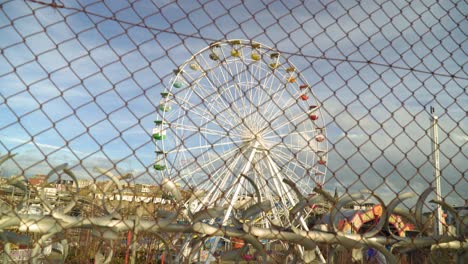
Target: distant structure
x: 435, y: 152
x: 37, y: 180
x: 62, y: 185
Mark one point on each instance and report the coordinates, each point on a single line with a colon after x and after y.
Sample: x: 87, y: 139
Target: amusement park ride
x: 245, y: 118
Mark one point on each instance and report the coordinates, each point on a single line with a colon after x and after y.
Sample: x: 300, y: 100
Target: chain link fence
x: 150, y: 131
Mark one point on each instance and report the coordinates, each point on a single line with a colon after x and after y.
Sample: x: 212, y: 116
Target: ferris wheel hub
x: 254, y: 139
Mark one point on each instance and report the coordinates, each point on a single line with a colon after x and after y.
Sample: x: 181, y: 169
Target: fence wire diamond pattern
x: 150, y: 131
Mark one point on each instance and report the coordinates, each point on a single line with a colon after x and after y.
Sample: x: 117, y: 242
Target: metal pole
x: 127, y: 252
x: 438, y: 229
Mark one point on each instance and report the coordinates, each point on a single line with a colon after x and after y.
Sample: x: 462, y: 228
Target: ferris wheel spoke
x: 268, y: 188
x: 214, y: 104
x: 225, y: 70
x: 293, y: 148
x: 203, y: 169
x: 276, y: 214
x: 235, y: 182
x: 275, y: 103
x: 248, y: 94
x: 293, y: 151
x: 255, y: 95
x: 292, y: 98
x: 271, y: 105
x: 290, y: 101
x: 208, y: 146
x: 269, y: 111
x: 209, y: 184
x: 219, y: 157
x: 287, y: 122
x: 276, y: 178
x: 253, y: 79
x: 238, y: 91
x: 203, y: 130
x: 208, y: 95
x: 220, y: 119
x: 291, y: 175
x: 290, y: 164
x: 223, y: 85
x: 233, y: 108
x: 244, y: 72
x: 224, y: 176
x: 212, y: 87
x: 190, y: 108
x: 285, y: 152
x: 300, y: 134
x: 290, y: 172
x: 266, y: 83
x: 269, y: 83
x: 288, y: 198
x: 238, y: 95
x: 298, y: 163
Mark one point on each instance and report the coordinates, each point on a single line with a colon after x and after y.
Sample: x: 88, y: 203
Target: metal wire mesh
x: 227, y: 131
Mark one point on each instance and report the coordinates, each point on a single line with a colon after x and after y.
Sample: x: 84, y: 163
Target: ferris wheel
x: 239, y: 108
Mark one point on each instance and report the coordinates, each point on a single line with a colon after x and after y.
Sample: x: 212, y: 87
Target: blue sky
x: 78, y: 87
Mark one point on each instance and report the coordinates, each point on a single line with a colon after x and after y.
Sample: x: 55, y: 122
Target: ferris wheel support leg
x: 209, y: 198
x: 223, y: 183
x: 236, y: 193
x: 276, y: 174
x: 215, y: 192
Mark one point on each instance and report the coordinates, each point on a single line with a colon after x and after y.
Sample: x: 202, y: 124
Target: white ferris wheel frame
x: 283, y: 193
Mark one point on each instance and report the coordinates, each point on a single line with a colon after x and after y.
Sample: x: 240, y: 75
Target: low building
x: 84, y: 183
x: 38, y: 180
x: 143, y: 188
x: 64, y: 185
x: 49, y: 191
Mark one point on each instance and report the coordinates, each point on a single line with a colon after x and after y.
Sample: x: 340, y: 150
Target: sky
x: 81, y: 84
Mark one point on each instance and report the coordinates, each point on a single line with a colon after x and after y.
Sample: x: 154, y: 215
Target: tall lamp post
x: 435, y: 152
